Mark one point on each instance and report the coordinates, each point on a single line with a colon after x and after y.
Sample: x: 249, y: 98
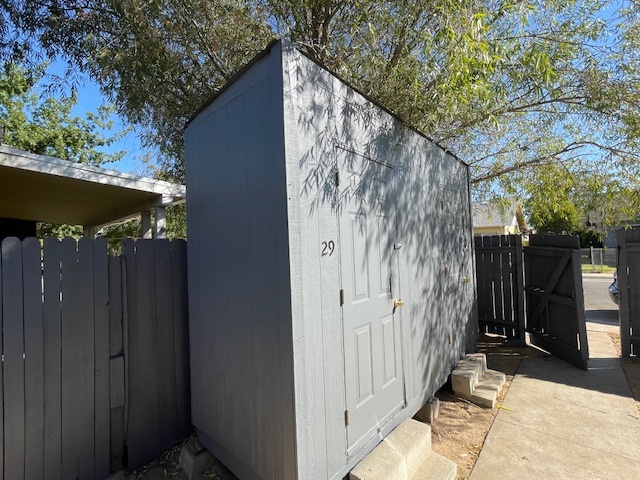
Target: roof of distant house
x: 496, y: 213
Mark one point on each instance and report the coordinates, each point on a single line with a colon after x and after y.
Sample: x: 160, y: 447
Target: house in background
x: 594, y: 221
x: 498, y: 218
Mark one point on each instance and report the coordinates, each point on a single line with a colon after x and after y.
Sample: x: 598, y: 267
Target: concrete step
x: 488, y: 388
x: 436, y: 467
x: 471, y: 379
x: 403, y: 453
x: 468, y: 372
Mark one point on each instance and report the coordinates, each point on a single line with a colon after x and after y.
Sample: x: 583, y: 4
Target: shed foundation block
x: 195, y: 459
x: 430, y: 411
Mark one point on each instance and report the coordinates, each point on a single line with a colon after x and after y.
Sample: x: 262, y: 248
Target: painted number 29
x: 328, y: 248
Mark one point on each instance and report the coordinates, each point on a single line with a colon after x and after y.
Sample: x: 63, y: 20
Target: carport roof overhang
x: 47, y: 189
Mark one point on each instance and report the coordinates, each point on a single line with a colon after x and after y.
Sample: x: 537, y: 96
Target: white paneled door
x: 369, y: 264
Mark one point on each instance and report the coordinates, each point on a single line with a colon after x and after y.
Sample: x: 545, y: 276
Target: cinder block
x: 471, y: 379
x: 195, y: 459
x: 430, y: 411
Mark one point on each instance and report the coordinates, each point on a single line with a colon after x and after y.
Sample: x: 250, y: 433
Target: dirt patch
x: 461, y: 428
x: 631, y: 367
x: 167, y: 467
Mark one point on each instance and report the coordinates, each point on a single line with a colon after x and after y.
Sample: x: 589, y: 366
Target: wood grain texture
x: 65, y: 396
x: 71, y: 340
x: 181, y: 336
x: 133, y: 406
x: 34, y: 358
x: 13, y: 365
x: 101, y: 355
x: 148, y: 417
x: 117, y: 285
x: 165, y: 360
x: 86, y: 359
x: 52, y: 252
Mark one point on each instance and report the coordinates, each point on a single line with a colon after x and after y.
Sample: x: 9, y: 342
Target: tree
x: 47, y: 127
x: 508, y: 85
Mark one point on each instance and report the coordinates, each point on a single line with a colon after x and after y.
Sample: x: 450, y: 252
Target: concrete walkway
x: 565, y: 423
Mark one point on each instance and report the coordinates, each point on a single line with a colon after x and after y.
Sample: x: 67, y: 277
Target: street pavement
x: 559, y: 422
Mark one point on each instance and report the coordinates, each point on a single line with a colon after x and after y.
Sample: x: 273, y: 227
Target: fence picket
x: 52, y: 360
x: 488, y: 282
x: 133, y: 406
x: 148, y: 417
x: 181, y: 335
x: 496, y: 271
x: 166, y: 350
x: 507, y: 284
x: 519, y: 297
x: 71, y: 340
x: 101, y: 350
x: 477, y: 242
x: 33, y: 360
x: 86, y: 377
x: 116, y: 363
x: 13, y: 365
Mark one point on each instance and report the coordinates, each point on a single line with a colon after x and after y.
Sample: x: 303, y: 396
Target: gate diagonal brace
x: 548, y: 288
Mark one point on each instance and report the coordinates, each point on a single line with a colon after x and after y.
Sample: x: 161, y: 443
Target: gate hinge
x: 342, y: 297
x: 346, y: 418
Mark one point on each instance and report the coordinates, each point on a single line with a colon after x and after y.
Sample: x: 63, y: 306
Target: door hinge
x: 337, y: 178
x: 342, y: 297
x: 346, y: 418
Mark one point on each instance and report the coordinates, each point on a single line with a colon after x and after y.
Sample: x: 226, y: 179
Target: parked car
x: 614, y: 291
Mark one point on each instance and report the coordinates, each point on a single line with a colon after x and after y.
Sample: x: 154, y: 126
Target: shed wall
x: 324, y: 118
x: 239, y: 297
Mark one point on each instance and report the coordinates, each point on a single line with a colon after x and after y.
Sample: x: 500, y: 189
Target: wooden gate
x: 555, y: 302
x: 95, y: 356
x: 629, y: 285
x: 500, y: 279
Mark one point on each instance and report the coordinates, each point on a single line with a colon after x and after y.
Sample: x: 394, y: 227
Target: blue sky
x: 89, y: 100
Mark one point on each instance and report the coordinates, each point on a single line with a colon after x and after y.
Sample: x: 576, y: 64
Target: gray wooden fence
x: 629, y: 284
x: 94, y: 356
x: 500, y: 279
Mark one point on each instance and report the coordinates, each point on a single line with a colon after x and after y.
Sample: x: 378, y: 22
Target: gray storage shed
x: 331, y: 270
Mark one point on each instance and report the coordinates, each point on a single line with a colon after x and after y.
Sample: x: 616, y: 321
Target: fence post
x: 601, y: 250
x: 593, y: 263
x: 518, y: 272
x: 623, y: 311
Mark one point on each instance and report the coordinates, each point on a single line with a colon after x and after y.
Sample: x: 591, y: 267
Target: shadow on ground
x: 607, y: 317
